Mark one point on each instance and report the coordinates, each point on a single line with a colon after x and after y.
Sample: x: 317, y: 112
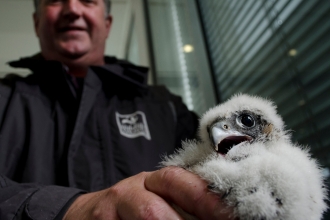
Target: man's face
x: 72, y: 30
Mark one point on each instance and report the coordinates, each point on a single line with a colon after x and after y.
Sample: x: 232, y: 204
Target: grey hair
x: 107, y: 5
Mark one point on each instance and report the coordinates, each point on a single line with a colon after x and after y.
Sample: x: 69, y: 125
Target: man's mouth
x: 229, y: 142
x: 66, y: 29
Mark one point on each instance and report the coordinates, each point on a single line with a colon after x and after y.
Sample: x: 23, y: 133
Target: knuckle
x: 170, y: 176
x: 97, y: 214
x: 169, y: 173
x: 166, y: 177
x: 114, y: 191
x: 143, y: 173
x: 152, y: 210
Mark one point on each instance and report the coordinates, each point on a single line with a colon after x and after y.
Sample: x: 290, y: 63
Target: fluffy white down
x: 272, y: 180
x: 278, y: 181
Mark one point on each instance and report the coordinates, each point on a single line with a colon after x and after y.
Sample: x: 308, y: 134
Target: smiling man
x: 78, y: 134
x: 73, y: 32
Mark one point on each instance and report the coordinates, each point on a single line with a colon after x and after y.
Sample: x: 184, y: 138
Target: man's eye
x: 53, y: 1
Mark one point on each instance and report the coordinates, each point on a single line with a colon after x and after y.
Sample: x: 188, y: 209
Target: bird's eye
x: 246, y: 121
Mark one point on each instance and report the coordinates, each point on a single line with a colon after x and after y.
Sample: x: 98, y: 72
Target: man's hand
x: 147, y: 196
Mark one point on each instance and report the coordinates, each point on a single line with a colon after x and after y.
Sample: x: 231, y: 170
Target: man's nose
x: 72, y: 9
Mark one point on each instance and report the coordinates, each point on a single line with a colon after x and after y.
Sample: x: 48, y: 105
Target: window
x: 179, y: 52
x: 278, y: 49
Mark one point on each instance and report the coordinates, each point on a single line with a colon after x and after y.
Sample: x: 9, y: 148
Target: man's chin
x: 73, y: 49
x: 76, y: 54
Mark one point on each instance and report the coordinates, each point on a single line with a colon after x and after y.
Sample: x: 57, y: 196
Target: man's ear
x: 36, y: 22
x: 108, y: 23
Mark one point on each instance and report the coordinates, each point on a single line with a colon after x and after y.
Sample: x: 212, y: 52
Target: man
x: 76, y: 134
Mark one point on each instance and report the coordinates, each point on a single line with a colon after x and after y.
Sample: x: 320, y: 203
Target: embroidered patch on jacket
x: 133, y: 125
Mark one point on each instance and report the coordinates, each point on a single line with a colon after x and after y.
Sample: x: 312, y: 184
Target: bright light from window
x: 293, y: 52
x: 302, y: 102
x: 182, y: 59
x: 188, y: 48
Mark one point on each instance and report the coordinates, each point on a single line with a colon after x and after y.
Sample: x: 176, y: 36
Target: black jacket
x: 57, y: 142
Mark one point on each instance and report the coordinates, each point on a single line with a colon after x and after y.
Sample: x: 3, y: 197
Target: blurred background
x: 207, y: 50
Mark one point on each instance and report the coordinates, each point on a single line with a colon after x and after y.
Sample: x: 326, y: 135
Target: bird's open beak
x: 224, y: 140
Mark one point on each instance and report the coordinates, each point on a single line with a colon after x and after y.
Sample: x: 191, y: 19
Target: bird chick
x: 247, y: 157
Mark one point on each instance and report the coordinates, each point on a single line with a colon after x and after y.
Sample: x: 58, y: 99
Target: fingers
x: 145, y: 196
x: 126, y: 200
x: 150, y: 206
x: 91, y: 206
x: 141, y: 203
x: 187, y: 191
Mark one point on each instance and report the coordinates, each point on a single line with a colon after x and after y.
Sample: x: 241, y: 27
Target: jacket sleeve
x: 29, y: 200
x: 33, y: 201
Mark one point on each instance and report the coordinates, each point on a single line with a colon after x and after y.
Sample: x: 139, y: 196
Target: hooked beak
x: 224, y: 139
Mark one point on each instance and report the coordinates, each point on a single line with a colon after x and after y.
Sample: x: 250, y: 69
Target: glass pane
x: 179, y: 52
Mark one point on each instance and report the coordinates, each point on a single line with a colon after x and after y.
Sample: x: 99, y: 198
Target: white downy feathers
x: 248, y: 159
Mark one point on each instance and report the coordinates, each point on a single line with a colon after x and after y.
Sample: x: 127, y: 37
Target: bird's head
x: 242, y: 119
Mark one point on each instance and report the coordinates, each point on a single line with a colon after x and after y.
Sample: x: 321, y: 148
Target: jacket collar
x: 119, y: 69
